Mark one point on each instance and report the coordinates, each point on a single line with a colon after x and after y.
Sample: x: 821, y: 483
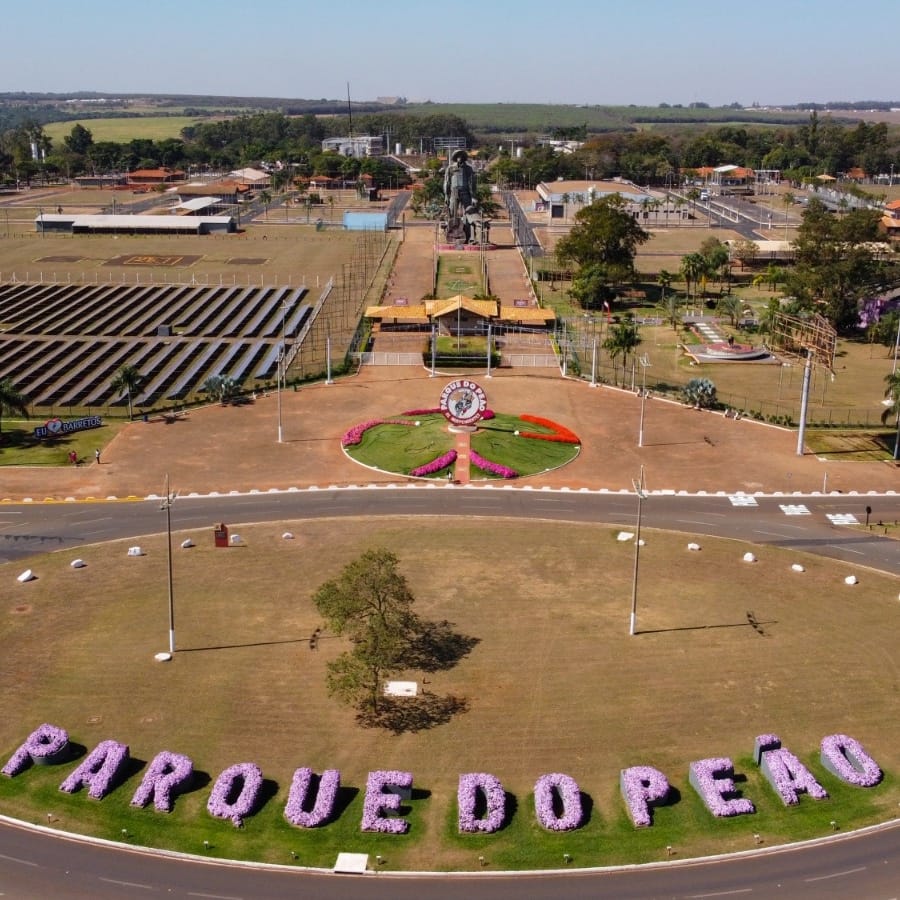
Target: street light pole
x: 167, y: 506
x: 280, y: 373
x: 896, y: 341
x: 645, y: 364
x: 639, y: 490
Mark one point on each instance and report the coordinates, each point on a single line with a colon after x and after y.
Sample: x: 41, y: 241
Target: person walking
x: 97, y: 456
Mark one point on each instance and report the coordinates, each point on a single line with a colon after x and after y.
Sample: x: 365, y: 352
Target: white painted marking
x: 213, y: 896
x: 842, y: 519
x: 846, y: 549
x: 723, y: 893
x: 130, y: 884
x: 24, y: 862
x: 794, y: 509
x: 837, y: 874
x: 742, y: 500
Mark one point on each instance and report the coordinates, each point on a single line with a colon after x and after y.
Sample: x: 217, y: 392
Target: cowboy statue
x: 459, y: 194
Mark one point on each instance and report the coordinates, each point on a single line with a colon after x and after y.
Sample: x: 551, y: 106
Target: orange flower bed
x: 560, y: 434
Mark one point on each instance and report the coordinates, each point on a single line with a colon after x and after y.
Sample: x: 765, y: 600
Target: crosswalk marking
x: 795, y: 509
x: 843, y: 519
x: 742, y: 500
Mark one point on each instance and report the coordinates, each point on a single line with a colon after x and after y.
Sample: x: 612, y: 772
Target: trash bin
x: 220, y: 534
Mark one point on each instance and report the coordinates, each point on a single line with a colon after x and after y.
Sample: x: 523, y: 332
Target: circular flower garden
x: 419, y: 444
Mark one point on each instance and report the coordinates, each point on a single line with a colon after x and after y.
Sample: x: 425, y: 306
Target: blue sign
x: 55, y: 427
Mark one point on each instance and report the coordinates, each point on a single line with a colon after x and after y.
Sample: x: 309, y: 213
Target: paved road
x: 36, y: 865
x: 790, y: 521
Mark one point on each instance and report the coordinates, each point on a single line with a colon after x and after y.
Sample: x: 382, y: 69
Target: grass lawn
x: 400, y: 448
x: 19, y: 447
x: 552, y: 683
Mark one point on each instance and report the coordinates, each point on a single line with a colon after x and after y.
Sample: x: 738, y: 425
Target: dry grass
x: 553, y: 684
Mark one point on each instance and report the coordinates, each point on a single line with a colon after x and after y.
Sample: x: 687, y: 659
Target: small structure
x: 154, y: 177
x: 100, y: 224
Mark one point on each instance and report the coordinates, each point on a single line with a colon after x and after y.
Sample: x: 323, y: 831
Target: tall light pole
x: 645, y: 364
x: 280, y: 373
x: 896, y: 341
x: 167, y: 506
x: 641, y: 493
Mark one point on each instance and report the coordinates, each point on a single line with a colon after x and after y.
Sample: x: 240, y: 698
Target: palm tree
x: 622, y: 340
x: 729, y: 305
x: 128, y: 381
x: 664, y: 279
x: 12, y: 402
x: 693, y: 267
x: 265, y: 198
x: 788, y: 200
x: 892, y: 394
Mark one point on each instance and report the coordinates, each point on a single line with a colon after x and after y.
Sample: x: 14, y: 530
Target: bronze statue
x: 459, y: 194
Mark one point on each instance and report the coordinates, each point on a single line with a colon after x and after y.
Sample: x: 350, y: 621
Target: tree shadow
x: 435, y: 646
x: 402, y: 715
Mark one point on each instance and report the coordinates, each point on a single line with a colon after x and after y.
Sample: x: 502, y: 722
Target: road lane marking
x: 130, y: 884
x: 16, y: 859
x: 837, y: 874
x: 722, y: 893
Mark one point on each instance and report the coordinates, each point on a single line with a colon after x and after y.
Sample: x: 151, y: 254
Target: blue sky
x: 573, y: 51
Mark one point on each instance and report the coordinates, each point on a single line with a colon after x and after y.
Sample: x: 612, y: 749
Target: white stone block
x: 27, y: 575
x: 693, y: 546
x: 287, y: 536
x: 78, y: 564
x: 625, y: 536
x: 749, y: 557
x: 235, y: 539
x: 851, y: 579
x: 186, y: 544
x: 135, y: 551
x: 796, y: 567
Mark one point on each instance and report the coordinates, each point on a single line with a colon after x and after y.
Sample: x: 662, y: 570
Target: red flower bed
x: 560, y: 434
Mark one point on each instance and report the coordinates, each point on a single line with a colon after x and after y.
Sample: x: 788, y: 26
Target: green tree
x: 623, y: 339
x: 591, y: 286
x: 265, y: 197
x: 892, y: 393
x: 693, y: 267
x: 604, y: 232
x: 128, y: 381
x: 79, y: 140
x: 729, y: 305
x: 745, y: 251
x: 885, y: 332
x: 836, y: 264
x: 370, y: 602
x: 892, y: 412
x: 12, y: 401
x: 716, y: 256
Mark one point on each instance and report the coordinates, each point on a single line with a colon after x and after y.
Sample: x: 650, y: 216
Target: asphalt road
x: 790, y: 521
x: 37, y: 865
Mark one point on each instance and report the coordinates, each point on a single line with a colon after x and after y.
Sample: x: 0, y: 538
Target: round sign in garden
x: 423, y: 443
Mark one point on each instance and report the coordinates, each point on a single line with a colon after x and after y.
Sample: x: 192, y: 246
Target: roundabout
x: 695, y: 515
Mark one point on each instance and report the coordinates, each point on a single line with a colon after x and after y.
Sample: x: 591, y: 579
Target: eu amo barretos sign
x: 56, y: 427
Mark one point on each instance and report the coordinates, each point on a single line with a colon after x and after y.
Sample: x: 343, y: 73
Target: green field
x: 123, y: 130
